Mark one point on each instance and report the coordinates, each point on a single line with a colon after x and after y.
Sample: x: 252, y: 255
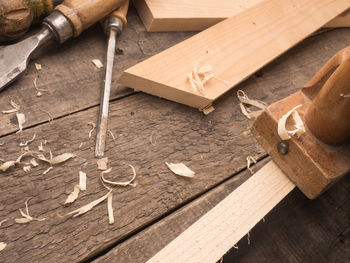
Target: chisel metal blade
x: 14, y: 58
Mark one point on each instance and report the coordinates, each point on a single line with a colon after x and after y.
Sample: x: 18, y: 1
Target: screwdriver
x: 16, y: 16
x: 68, y: 20
x: 113, y: 26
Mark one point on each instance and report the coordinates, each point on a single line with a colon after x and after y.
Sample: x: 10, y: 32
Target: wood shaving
x: 93, y: 127
x: 250, y: 161
x: 26, y: 217
x: 77, y: 188
x: 5, y: 166
x: 27, y: 142
x: 112, y: 135
x: 21, y: 119
x: 86, y: 208
x: 34, y: 163
x: 299, y: 125
x: 2, y: 245
x: 58, y: 159
x: 38, y: 94
x: 37, y: 66
x: 3, y: 221
x: 110, y: 208
x: 102, y: 164
x: 180, y: 169
x: 27, y: 168
x: 49, y: 114
x: 47, y: 170
x: 81, y: 145
x: 97, y: 63
x: 15, y: 108
x: 40, y: 147
x: 200, y: 76
x: 130, y: 182
x: 153, y: 142
x: 244, y: 100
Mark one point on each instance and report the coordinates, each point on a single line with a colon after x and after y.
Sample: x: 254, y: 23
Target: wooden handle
x: 84, y: 13
x: 16, y: 16
x: 328, y: 115
x: 121, y: 12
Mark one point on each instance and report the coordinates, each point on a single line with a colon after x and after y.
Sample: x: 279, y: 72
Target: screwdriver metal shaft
x: 113, y: 25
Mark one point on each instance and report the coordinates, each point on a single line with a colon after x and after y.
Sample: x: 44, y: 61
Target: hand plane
x: 321, y: 155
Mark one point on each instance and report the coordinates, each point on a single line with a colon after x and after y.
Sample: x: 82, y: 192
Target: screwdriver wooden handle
x: 121, y: 12
x: 16, y: 16
x: 84, y: 13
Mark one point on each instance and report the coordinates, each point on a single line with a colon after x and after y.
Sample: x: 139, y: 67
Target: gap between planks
x: 208, y: 239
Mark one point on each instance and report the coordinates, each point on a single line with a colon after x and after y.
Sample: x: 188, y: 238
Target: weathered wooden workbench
x: 150, y: 131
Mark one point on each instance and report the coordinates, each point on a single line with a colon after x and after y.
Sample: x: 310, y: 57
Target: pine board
x: 182, y: 15
x: 235, y: 48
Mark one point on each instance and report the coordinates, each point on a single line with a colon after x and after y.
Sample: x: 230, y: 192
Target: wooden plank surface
x: 180, y: 133
x: 235, y: 48
x: 184, y: 15
x: 308, y: 231
x: 72, y: 81
x: 215, y: 233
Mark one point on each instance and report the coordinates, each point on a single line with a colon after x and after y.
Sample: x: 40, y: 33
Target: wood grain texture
x: 72, y: 81
x: 172, y: 15
x: 142, y: 246
x: 235, y: 48
x: 208, y: 239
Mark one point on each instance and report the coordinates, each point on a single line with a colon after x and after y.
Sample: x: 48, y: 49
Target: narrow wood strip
x: 235, y: 48
x: 216, y: 232
x: 182, y: 15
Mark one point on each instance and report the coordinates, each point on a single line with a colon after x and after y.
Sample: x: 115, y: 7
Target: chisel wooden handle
x: 121, y: 12
x: 84, y: 13
x: 16, y: 16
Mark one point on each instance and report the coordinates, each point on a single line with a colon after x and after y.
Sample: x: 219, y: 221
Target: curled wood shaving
x: 37, y: 66
x: 200, y: 76
x: 180, y: 169
x: 34, y: 163
x: 81, y: 187
x: 102, y: 164
x: 2, y: 245
x: 250, y: 160
x: 27, y: 142
x: 27, y: 168
x: 48, y: 113
x: 58, y: 159
x: 112, y: 135
x: 93, y: 126
x: 15, y: 108
x: 110, y: 208
x: 97, y: 63
x: 130, y: 182
x: 26, y: 217
x: 38, y: 94
x: 89, y: 206
x: 299, y: 125
x: 244, y: 100
x: 47, y: 170
x: 21, y: 120
x: 153, y: 142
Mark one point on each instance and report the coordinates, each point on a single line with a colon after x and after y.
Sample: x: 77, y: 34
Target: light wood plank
x: 236, y: 48
x: 184, y: 15
x: 221, y: 228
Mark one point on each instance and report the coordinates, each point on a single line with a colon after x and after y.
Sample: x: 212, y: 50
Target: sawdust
x: 37, y: 66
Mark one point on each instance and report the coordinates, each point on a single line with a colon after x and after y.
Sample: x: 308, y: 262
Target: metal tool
x: 16, y: 16
x: 113, y: 26
x: 68, y: 19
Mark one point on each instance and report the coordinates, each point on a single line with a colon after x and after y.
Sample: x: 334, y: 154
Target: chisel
x: 16, y: 16
x: 68, y: 20
x: 113, y: 26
